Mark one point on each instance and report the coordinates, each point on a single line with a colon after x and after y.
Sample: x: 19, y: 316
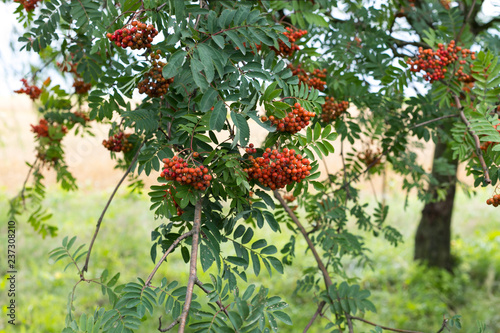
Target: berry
x: 154, y: 84
x: 313, y: 79
x: 29, y: 5
x: 294, y: 121
x: 118, y: 142
x: 178, y: 170
x: 370, y: 158
x: 332, y: 110
x: 33, y: 91
x: 276, y: 169
x: 445, y: 4
x: 82, y: 115
x: 250, y: 149
x: 293, y: 35
x: 494, y: 200
x: 434, y: 63
x: 81, y: 88
x: 139, y: 36
x: 42, y: 130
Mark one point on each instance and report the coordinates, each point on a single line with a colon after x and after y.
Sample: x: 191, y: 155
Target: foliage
x: 220, y: 62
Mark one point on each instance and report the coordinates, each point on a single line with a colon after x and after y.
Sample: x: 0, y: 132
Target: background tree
x: 205, y: 68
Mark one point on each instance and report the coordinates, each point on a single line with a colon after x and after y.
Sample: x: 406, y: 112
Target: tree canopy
x: 206, y: 71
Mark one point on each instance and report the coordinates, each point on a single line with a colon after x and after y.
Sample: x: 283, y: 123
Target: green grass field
x: 405, y: 295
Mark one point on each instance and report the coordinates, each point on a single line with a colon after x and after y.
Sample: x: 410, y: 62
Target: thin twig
x: 477, y: 143
x: 219, y: 303
x: 457, y: 38
x: 192, y: 268
x: 344, y: 176
x: 384, y: 327
x: 433, y: 120
x: 169, y: 250
x: 21, y: 194
x: 169, y: 327
x: 98, y: 225
x: 320, y: 308
x: 445, y: 321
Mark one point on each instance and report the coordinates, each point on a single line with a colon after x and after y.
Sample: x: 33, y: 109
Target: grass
x: 405, y: 295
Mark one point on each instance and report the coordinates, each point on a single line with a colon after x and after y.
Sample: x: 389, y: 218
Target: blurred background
x: 406, y: 296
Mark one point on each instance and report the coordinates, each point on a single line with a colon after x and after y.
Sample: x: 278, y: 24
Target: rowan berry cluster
x: 370, y: 157
x: 33, y: 91
x: 289, y: 197
x: 139, y: 36
x: 42, y: 129
x: 332, y: 109
x: 315, y: 79
x: 67, y: 67
x: 170, y: 196
x: 82, y: 115
x: 294, y: 121
x: 29, y: 5
x: 250, y: 149
x: 81, y: 88
x: 495, y: 200
x: 179, y: 170
x: 275, y: 169
x: 434, y: 63
x: 154, y: 84
x: 445, y: 4
x: 118, y: 142
x: 293, y: 35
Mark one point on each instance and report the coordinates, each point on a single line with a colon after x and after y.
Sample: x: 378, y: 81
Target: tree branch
x: 98, y: 225
x: 170, y: 249
x: 466, y: 20
x: 477, y: 143
x: 433, y: 120
x: 384, y: 327
x: 320, y: 308
x: 445, y: 321
x: 192, y: 268
x: 321, y: 266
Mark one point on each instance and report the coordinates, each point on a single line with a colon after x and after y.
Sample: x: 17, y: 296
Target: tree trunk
x: 433, y: 237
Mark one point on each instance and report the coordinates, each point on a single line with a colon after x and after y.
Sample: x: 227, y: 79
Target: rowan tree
x: 206, y: 70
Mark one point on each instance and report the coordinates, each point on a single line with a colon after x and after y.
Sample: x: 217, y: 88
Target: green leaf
x: 317, y: 131
x: 218, y: 116
x: 271, y: 249
x: 282, y: 316
x: 236, y: 40
x: 242, y: 129
x: 276, y: 263
x: 173, y: 66
x: 247, y: 237
x: 237, y: 261
x: 255, y: 263
x: 208, y: 99
x: 258, y: 244
x: 219, y: 40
